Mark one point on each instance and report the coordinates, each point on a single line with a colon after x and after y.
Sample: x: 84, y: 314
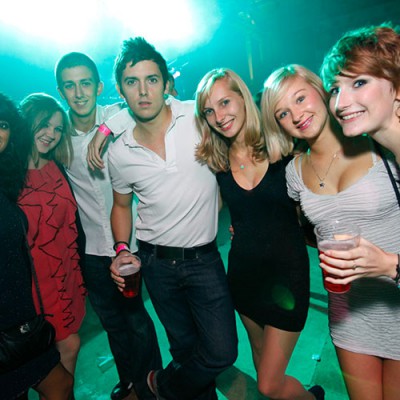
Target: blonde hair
x: 213, y: 149
x: 274, y: 90
x: 37, y: 109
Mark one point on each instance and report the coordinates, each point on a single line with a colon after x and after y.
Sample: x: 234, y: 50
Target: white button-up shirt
x: 93, y: 190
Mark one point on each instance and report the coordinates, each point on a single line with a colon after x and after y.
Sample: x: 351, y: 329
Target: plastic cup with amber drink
x: 336, y: 235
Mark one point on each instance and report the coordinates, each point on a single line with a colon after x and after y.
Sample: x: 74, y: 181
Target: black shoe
x: 120, y: 391
x: 318, y: 392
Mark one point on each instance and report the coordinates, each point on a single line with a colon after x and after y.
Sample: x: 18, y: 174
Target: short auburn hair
x: 372, y: 50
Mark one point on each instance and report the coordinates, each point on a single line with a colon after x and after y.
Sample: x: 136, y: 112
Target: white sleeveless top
x: 366, y: 319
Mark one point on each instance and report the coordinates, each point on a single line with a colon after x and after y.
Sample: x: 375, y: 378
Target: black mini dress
x: 268, y: 265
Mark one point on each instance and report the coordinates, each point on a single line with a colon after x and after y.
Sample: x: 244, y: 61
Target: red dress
x: 52, y: 235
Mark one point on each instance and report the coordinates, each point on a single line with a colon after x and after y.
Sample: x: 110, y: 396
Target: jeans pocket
x: 146, y: 258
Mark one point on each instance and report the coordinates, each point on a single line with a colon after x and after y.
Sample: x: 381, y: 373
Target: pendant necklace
x: 236, y: 159
x: 322, y: 179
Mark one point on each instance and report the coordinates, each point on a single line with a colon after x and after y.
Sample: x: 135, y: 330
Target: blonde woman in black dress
x: 268, y: 268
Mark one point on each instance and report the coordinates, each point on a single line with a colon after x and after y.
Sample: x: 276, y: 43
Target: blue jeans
x: 192, y: 300
x: 131, y: 334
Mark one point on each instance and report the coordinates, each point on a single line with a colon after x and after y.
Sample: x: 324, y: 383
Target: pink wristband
x: 121, y: 247
x: 104, y: 129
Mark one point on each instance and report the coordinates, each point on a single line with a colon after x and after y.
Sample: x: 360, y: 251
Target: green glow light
x: 283, y: 297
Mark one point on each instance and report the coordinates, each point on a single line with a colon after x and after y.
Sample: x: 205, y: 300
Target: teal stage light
x: 50, y: 28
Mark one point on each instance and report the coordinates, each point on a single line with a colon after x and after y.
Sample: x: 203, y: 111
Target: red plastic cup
x: 333, y: 287
x: 132, y: 276
x: 336, y: 235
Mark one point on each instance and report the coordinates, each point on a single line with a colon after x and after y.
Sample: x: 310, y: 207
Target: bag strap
x: 34, y: 275
x: 395, y: 187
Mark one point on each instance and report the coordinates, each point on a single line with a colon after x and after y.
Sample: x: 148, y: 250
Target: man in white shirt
x: 130, y: 330
x: 154, y: 157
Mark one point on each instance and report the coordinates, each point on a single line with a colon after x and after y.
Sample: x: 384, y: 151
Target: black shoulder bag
x: 21, y: 344
x: 389, y: 171
x: 396, y: 190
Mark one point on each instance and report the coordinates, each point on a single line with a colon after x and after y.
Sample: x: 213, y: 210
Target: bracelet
x: 397, y: 277
x: 121, y: 246
x: 104, y: 129
x: 119, y: 242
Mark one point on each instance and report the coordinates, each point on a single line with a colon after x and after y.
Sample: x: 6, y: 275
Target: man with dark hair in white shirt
x: 154, y: 157
x: 130, y: 330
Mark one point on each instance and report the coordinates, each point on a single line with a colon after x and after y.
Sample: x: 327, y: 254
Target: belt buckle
x: 182, y: 254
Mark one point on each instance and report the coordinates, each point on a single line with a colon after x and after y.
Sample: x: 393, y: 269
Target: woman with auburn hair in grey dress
x: 343, y: 178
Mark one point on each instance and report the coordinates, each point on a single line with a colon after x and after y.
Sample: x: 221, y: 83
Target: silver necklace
x: 322, y: 179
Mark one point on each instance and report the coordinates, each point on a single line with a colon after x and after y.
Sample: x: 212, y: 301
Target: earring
x: 165, y: 96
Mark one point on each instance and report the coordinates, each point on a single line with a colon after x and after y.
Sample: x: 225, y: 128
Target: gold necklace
x: 322, y: 180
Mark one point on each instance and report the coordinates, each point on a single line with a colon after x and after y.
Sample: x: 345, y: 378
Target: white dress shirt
x: 93, y: 190
x: 178, y: 196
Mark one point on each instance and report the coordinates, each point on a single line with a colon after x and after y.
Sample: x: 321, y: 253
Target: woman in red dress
x: 50, y: 207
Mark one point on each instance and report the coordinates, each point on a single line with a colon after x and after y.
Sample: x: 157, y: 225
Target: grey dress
x: 366, y: 319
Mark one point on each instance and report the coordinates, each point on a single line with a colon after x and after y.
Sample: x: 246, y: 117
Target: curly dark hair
x: 14, y: 158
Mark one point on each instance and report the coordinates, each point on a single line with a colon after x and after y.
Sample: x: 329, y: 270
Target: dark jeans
x: 192, y: 300
x: 130, y: 330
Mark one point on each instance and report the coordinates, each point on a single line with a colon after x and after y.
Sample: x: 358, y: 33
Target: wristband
x: 104, y: 129
x: 121, y: 246
x: 397, y: 277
